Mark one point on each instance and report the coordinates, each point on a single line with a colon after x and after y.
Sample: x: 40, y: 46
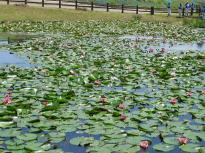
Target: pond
x: 177, y: 47
x: 16, y: 37
x: 8, y: 58
x: 156, y: 43
x: 100, y: 94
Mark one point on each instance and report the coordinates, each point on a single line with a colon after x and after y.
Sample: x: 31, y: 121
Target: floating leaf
x: 163, y: 147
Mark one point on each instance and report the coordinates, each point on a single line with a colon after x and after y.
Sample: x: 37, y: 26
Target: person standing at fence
x: 192, y: 6
x: 187, y: 7
x: 169, y: 9
x: 180, y: 9
x: 203, y: 12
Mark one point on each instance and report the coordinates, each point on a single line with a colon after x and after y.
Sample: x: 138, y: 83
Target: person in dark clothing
x: 169, y: 9
x: 180, y: 9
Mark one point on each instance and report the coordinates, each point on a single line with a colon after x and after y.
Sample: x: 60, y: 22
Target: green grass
x: 16, y: 13
x: 197, y: 23
x: 174, y: 19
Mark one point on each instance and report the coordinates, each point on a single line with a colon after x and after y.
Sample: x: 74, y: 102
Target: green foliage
x: 196, y: 23
x: 58, y: 103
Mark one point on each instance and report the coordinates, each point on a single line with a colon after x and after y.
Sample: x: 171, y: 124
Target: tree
x: 200, y: 2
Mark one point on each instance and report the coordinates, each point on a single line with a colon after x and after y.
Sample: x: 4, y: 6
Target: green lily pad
x: 163, y: 147
x: 190, y: 148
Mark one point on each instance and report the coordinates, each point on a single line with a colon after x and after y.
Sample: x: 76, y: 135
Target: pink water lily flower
x: 183, y: 140
x: 103, y: 99
x: 144, y: 144
x: 45, y: 103
x: 97, y: 82
x: 7, y: 99
x: 123, y: 117
x: 203, y: 91
x: 151, y: 50
x: 121, y: 106
x: 173, y: 101
x: 162, y: 50
x: 189, y: 94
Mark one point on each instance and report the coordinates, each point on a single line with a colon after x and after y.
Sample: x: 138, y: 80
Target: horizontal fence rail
x: 92, y: 6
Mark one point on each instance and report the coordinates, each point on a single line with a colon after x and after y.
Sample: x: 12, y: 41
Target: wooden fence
x: 92, y: 6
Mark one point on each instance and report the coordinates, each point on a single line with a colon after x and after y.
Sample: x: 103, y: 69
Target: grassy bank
x: 16, y: 13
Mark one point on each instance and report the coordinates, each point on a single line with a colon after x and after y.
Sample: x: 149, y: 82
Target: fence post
x: 137, y: 10
x: 152, y: 11
x: 122, y: 8
x: 59, y: 3
x: 7, y: 2
x: 76, y: 4
x: 183, y: 11
x: 91, y: 6
x: 199, y: 11
x: 42, y: 3
x: 25, y: 2
x: 192, y: 11
x: 107, y: 7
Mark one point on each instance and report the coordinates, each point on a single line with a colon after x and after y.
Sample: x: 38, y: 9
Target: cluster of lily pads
x: 93, y: 92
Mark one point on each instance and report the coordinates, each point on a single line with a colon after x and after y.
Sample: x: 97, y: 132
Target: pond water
x: 67, y: 147
x: 176, y: 47
x: 15, y: 37
x: 139, y: 37
x: 144, y: 98
x: 157, y: 43
x: 8, y: 58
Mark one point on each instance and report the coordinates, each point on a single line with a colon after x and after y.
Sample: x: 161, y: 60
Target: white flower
x: 15, y: 118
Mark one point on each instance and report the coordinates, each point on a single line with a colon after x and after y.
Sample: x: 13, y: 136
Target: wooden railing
x: 92, y: 6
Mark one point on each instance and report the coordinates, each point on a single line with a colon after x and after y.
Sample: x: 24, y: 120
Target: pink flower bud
x: 121, y: 106
x: 189, y: 94
x: 173, y: 101
x: 144, y: 144
x: 183, y: 140
x: 123, y: 117
x: 103, y: 99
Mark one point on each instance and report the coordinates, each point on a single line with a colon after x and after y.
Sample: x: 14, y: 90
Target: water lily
x: 183, y: 140
x: 121, y: 106
x: 203, y: 91
x: 162, y: 50
x: 151, y: 50
x: 189, y: 94
x: 103, y: 99
x: 45, y: 103
x: 72, y: 72
x: 7, y: 99
x: 15, y: 118
x: 173, y: 74
x: 173, y: 101
x: 144, y: 144
x: 123, y: 117
x: 97, y: 82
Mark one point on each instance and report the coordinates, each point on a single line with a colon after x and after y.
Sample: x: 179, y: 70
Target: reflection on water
x: 8, y: 38
x: 138, y: 37
x: 8, y: 58
x: 177, y: 47
x: 157, y: 43
x: 67, y: 147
